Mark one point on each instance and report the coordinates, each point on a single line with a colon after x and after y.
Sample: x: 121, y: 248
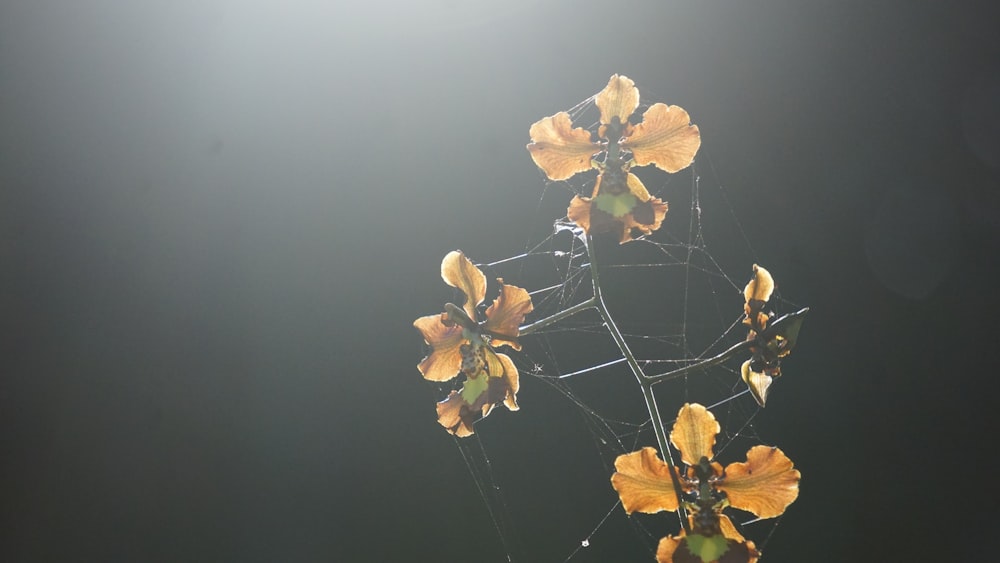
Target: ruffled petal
x: 694, y: 433
x: 506, y: 314
x: 618, y: 207
x: 445, y: 360
x: 560, y: 150
x: 618, y: 99
x: 646, y: 217
x: 705, y: 549
x: 643, y: 482
x: 497, y: 382
x: 665, y: 138
x: 618, y: 210
x: 456, y: 416
x: 459, y: 272
x: 764, y: 485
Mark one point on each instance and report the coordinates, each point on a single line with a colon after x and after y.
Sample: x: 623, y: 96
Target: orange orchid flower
x: 461, y: 345
x: 772, y: 340
x: 620, y: 202
x: 764, y: 485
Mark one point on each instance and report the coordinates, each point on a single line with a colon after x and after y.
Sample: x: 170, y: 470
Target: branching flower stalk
x: 640, y: 376
x: 464, y: 340
x: 646, y: 382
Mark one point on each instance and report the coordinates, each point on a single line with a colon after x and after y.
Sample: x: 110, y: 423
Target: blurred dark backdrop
x: 218, y: 220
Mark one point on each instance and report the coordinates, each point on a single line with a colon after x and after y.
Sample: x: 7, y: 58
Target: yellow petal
x: 728, y: 529
x: 506, y: 314
x: 618, y: 99
x: 511, y: 382
x: 665, y: 551
x: 757, y: 292
x: 694, y: 433
x: 759, y: 383
x: 445, y: 359
x: 760, y: 286
x: 579, y: 212
x: 458, y: 272
x: 560, y: 150
x: 643, y: 482
x: 665, y: 138
x: 637, y: 188
x: 455, y: 415
x: 764, y: 485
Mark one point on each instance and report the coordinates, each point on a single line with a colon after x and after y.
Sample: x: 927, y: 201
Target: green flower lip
x: 616, y: 205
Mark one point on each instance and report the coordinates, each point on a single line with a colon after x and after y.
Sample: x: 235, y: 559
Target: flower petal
x: 694, y: 433
x: 617, y: 210
x: 459, y: 272
x: 618, y: 99
x: 705, y: 549
x: 496, y: 382
x: 646, y: 217
x: 668, y: 546
x: 761, y: 285
x: 643, y: 482
x: 759, y: 383
x: 637, y: 188
x: 560, y: 150
x: 456, y: 416
x: 506, y: 314
x: 764, y: 485
x: 728, y: 529
x: 665, y: 138
x: 757, y: 293
x: 579, y: 212
x: 445, y: 360
x: 616, y: 193
x: 511, y: 383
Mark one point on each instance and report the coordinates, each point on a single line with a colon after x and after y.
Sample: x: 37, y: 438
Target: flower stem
x: 703, y: 364
x: 644, y: 382
x: 542, y: 323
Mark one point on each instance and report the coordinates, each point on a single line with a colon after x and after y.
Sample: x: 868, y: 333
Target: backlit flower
x: 764, y: 485
x: 461, y: 345
x: 771, y: 340
x: 620, y: 202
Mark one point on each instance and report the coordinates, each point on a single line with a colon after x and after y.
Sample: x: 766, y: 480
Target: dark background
x: 218, y: 220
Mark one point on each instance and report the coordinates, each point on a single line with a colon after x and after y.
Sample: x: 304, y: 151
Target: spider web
x: 544, y: 472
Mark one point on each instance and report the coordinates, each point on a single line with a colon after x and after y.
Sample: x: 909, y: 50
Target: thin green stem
x: 644, y: 384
